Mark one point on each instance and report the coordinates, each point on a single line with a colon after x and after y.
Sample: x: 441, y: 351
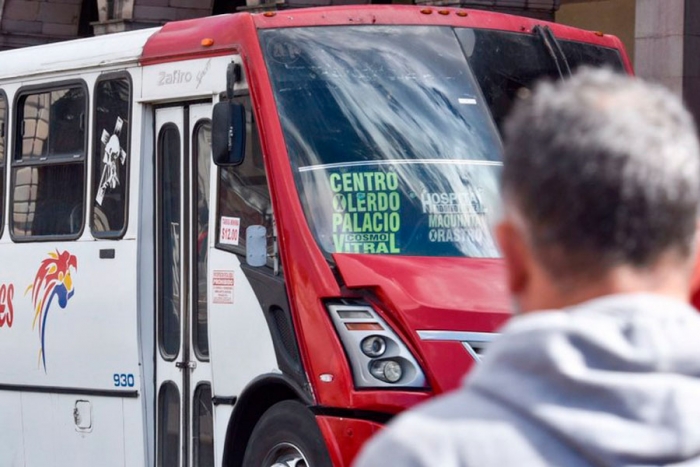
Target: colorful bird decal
x: 53, y: 279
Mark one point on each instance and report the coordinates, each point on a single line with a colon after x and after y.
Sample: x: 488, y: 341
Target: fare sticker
x: 229, y: 230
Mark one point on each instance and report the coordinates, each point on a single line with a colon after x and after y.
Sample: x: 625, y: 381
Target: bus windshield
x: 391, y: 130
x: 391, y: 143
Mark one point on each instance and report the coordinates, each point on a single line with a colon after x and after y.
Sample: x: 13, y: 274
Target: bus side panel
x: 240, y: 343
x: 135, y: 447
x: 222, y: 415
x: 51, y: 436
x: 241, y: 347
x: 74, y: 316
x: 73, y: 340
x: 68, y: 321
x: 142, y: 203
x: 11, y: 437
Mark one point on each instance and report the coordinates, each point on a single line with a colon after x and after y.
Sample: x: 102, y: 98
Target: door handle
x: 188, y: 365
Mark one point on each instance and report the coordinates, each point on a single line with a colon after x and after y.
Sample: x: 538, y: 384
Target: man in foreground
x: 601, y: 185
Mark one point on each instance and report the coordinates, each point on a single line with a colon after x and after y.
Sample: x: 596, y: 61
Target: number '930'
x: 123, y: 380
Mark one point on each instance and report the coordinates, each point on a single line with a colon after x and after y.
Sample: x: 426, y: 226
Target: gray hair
x: 604, y: 169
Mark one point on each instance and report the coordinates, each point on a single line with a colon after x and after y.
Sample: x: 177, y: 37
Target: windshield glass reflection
x: 391, y: 143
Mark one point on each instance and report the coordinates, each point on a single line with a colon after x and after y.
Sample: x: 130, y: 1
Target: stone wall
x: 30, y: 22
x: 668, y: 46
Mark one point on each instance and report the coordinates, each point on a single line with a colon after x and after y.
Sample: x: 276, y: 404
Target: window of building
x: 48, y: 168
x: 110, y: 156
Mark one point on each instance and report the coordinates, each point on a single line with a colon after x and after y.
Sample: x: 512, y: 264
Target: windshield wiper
x: 554, y: 49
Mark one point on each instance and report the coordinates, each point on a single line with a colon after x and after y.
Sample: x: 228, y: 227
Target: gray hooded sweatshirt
x: 611, y: 382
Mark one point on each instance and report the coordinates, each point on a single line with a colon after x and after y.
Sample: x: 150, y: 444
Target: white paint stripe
x: 400, y: 162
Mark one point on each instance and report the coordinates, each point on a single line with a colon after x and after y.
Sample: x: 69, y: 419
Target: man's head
x: 601, y: 185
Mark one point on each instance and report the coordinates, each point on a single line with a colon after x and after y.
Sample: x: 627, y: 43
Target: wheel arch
x: 261, y: 394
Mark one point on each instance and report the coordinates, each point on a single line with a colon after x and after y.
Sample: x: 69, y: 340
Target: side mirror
x: 256, y: 245
x: 228, y: 134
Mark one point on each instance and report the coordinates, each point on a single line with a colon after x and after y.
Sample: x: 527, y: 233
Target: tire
x: 287, y: 436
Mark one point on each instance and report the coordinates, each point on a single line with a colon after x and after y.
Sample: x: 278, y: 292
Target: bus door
x: 184, y: 425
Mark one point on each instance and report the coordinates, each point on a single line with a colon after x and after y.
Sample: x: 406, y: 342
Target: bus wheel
x: 286, y: 436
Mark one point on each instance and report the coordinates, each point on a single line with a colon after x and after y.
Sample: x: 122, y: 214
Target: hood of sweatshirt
x: 617, y: 379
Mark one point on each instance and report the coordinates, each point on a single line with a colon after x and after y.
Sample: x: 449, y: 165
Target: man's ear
x: 516, y: 254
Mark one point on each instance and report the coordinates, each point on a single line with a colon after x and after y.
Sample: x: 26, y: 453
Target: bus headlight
x: 377, y: 356
x: 387, y: 370
x: 373, y: 346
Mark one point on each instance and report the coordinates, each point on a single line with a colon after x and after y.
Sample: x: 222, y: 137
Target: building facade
x: 661, y: 36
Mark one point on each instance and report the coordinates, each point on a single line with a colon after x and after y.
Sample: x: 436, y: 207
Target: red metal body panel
x: 447, y: 363
x: 183, y: 39
x: 695, y: 284
x: 308, y: 277
x: 455, y: 294
x: 408, y: 14
x: 433, y: 292
x: 345, y: 436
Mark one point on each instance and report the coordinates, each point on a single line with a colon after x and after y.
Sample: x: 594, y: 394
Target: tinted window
x: 48, y: 181
x: 505, y: 63
x: 202, y: 161
x: 203, y: 427
x: 110, y: 157
x: 580, y: 54
x: 168, y: 425
x: 168, y: 235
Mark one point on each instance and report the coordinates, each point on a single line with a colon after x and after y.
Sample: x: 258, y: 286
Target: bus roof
x: 182, y: 40
x: 111, y: 49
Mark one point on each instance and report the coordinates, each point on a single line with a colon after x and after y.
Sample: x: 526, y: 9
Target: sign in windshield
x: 420, y: 207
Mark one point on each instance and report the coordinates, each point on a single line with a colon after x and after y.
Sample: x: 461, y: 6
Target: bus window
x: 3, y: 148
x: 581, y: 54
x: 168, y: 232
x: 202, y: 154
x: 110, y: 156
x: 506, y: 62
x: 48, y: 169
x: 168, y: 425
x: 203, y: 427
x: 243, y: 191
